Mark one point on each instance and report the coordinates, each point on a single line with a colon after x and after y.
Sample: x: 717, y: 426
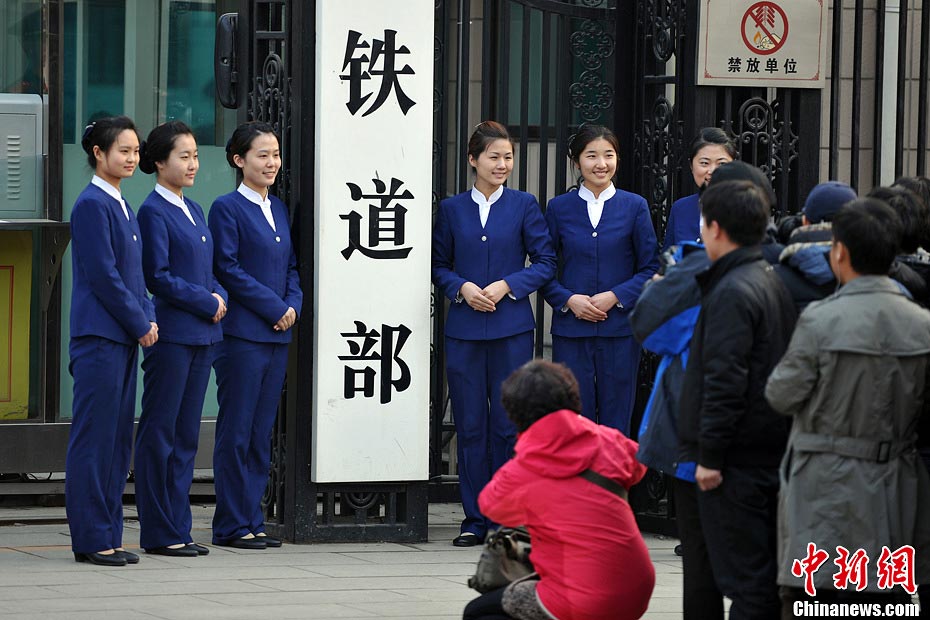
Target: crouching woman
x: 590, y: 559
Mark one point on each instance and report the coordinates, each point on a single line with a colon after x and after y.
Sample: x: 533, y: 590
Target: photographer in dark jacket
x: 725, y: 423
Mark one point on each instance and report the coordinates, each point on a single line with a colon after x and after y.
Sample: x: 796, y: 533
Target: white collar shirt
x: 174, y: 199
x: 112, y: 192
x: 265, y: 203
x: 596, y: 205
x: 484, y: 206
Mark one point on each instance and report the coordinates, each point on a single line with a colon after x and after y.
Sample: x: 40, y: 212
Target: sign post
x: 374, y: 114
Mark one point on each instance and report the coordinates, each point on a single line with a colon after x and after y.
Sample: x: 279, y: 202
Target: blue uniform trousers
x: 249, y: 376
x: 485, y: 436
x: 100, y: 442
x: 606, y: 369
x: 175, y: 382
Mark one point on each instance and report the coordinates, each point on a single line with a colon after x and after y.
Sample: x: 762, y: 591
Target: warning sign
x: 776, y: 43
x: 765, y: 28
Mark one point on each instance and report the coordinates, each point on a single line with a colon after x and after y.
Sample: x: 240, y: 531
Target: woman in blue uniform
x: 254, y: 260
x: 480, y: 243
x: 709, y: 150
x: 111, y: 315
x: 607, y: 245
x: 177, y: 259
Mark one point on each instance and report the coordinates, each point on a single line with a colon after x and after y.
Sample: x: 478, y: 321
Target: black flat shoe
x: 200, y: 549
x: 113, y: 559
x: 465, y: 539
x: 131, y: 558
x: 244, y: 543
x: 268, y: 540
x: 180, y: 552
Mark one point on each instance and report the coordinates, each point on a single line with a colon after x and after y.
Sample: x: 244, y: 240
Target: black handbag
x: 505, y: 558
x: 506, y: 554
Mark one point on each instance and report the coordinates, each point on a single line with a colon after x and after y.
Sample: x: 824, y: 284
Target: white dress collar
x: 588, y: 196
x: 253, y: 196
x: 479, y: 198
x: 109, y: 189
x: 170, y: 196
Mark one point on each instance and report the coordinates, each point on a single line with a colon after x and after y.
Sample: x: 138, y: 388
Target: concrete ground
x: 40, y: 579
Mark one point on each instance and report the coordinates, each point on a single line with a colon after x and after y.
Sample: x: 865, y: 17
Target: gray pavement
x: 40, y: 579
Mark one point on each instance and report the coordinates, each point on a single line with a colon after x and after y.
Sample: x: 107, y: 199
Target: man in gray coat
x: 854, y: 509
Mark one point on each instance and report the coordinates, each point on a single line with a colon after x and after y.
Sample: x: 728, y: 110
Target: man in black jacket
x: 725, y: 423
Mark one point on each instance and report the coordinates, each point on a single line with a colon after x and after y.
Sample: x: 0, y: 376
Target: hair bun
x: 146, y: 164
x: 85, y: 137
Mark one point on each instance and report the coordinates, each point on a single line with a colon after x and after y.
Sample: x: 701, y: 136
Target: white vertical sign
x: 374, y: 119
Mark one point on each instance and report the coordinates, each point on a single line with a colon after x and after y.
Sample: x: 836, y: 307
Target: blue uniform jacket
x: 620, y: 255
x: 465, y: 252
x: 108, y: 296
x: 177, y: 259
x: 684, y: 221
x: 256, y: 265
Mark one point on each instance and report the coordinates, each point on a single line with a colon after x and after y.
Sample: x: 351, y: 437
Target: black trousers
x: 488, y: 606
x: 739, y: 523
x: 701, y: 599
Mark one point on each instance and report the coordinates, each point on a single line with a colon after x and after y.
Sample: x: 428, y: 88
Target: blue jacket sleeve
x: 669, y: 230
x: 443, y: 257
x: 158, y: 277
x: 246, y: 289
x: 539, y: 248
x: 97, y: 261
x: 554, y: 292
x: 647, y: 258
x: 294, y: 295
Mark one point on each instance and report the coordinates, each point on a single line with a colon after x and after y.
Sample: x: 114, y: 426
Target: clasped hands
x: 592, y: 308
x: 484, y: 299
x: 287, y: 321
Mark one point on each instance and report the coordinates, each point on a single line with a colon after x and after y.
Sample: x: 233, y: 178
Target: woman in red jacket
x: 590, y: 559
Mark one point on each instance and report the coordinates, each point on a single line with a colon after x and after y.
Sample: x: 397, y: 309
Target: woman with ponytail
x: 110, y: 316
x: 177, y: 259
x: 254, y: 259
x: 608, y: 250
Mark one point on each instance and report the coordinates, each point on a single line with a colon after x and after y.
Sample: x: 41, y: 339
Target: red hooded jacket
x: 587, y: 549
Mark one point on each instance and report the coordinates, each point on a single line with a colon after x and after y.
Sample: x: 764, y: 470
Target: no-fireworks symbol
x: 765, y: 28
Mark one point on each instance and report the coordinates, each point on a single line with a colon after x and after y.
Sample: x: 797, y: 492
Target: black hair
x: 787, y: 225
x: 708, y: 136
x: 588, y: 134
x: 871, y: 232
x: 914, y: 216
x: 536, y: 389
x: 921, y: 188
x: 102, y: 133
x: 241, y: 140
x: 740, y: 208
x: 159, y: 144
x: 485, y: 133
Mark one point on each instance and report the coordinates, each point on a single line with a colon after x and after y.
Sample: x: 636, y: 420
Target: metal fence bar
x: 524, y: 99
x: 922, y: 110
x: 879, y: 86
x: 835, y: 83
x: 856, y: 96
x: 488, y: 90
x: 901, y: 108
x: 461, y: 110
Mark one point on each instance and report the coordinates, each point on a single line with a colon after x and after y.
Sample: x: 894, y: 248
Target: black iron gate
x: 544, y: 67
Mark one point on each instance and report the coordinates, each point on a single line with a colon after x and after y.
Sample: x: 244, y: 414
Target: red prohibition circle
x: 751, y: 14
